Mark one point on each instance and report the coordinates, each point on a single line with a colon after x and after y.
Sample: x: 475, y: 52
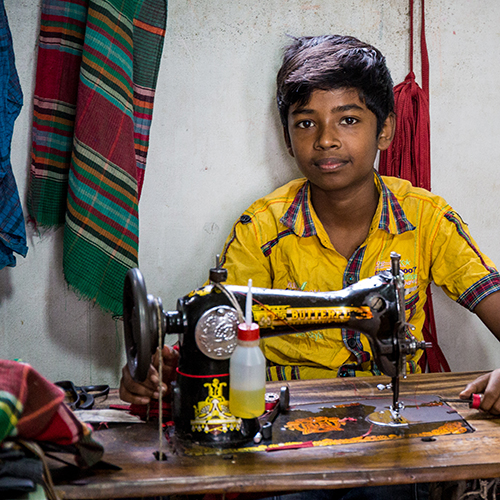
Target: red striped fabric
x: 98, y: 63
x: 32, y: 408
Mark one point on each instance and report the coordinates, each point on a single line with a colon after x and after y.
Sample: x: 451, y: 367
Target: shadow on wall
x: 461, y: 335
x: 6, y: 290
x: 91, y: 338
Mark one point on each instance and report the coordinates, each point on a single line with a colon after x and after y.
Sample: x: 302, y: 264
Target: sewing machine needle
x: 395, y: 393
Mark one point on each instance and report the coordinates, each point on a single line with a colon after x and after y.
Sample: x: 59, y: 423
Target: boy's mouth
x: 330, y: 163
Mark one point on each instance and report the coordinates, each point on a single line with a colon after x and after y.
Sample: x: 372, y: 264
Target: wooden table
x: 450, y: 457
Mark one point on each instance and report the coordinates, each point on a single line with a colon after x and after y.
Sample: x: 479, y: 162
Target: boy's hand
x: 142, y: 392
x: 488, y: 385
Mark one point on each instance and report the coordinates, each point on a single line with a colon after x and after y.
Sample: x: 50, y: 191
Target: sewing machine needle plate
x: 370, y: 419
x: 358, y: 421
x: 387, y: 417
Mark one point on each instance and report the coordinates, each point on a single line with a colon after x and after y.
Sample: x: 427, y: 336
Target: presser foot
x: 391, y: 417
x: 396, y: 413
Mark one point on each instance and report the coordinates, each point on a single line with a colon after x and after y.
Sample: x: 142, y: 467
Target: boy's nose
x: 327, y: 138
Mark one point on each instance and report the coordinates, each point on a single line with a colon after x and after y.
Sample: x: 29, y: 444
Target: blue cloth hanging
x: 12, y: 227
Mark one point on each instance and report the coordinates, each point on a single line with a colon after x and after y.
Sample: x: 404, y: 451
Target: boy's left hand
x: 142, y: 392
x: 488, y: 385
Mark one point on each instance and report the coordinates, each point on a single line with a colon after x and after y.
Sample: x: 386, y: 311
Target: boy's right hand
x: 142, y: 392
x: 488, y: 385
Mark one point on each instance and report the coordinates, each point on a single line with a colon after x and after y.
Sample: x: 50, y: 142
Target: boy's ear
x: 288, y: 142
x: 387, y: 133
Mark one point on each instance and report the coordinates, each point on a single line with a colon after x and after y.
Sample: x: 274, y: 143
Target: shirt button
x: 351, y: 343
x: 245, y: 219
x: 350, y: 279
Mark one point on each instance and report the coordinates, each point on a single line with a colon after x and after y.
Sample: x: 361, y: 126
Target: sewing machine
x: 206, y: 321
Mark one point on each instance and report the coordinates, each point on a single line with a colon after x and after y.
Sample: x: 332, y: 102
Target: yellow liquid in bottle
x: 247, y: 404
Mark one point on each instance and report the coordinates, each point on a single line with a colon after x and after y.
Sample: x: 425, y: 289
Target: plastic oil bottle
x: 247, y: 369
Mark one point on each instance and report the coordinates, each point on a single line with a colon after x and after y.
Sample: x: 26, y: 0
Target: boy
x: 340, y: 223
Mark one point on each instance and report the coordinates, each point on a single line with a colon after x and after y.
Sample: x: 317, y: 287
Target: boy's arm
x: 488, y: 311
x: 489, y: 384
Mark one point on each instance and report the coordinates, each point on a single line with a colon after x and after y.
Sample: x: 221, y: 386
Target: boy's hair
x: 334, y: 62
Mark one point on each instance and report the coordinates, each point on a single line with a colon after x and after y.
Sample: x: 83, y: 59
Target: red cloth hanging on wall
x: 409, y: 158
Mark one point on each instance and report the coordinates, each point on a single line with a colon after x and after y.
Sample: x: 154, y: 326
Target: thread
x: 160, y: 376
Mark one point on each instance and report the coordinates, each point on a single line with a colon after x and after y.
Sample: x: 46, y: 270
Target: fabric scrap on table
x: 33, y: 409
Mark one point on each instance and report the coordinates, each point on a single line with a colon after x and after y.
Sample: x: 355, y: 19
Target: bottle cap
x: 248, y: 332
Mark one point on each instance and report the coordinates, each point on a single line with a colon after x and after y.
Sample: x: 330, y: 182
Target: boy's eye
x: 305, y: 124
x: 348, y: 120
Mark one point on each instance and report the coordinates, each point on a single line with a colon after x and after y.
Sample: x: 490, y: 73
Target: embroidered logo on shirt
x: 315, y: 335
x: 409, y: 272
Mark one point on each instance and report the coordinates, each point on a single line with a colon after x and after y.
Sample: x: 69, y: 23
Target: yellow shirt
x: 279, y: 242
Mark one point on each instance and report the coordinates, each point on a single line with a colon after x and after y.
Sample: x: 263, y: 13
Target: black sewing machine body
x: 206, y: 321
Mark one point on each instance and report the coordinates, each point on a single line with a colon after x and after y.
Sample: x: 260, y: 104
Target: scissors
x: 82, y: 397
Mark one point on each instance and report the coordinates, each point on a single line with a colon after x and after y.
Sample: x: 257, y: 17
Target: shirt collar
x: 392, y: 218
x: 298, y: 217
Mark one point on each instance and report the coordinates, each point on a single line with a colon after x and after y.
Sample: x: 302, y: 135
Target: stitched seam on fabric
x: 458, y: 224
x: 434, y: 234
x: 230, y: 241
x: 267, y: 247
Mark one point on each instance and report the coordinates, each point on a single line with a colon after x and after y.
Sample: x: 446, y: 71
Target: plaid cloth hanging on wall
x: 97, y: 69
x: 12, y: 230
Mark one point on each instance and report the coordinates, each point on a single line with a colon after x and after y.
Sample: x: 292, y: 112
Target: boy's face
x: 333, y: 139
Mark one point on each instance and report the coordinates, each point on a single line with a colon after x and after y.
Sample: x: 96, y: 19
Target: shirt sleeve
x: 243, y: 256
x: 458, y: 266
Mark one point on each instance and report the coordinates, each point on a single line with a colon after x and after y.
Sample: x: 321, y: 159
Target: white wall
x: 216, y: 146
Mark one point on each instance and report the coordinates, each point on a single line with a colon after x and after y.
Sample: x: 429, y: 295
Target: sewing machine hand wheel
x: 139, y: 324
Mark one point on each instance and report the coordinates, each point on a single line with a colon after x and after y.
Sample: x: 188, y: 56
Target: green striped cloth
x: 97, y: 68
